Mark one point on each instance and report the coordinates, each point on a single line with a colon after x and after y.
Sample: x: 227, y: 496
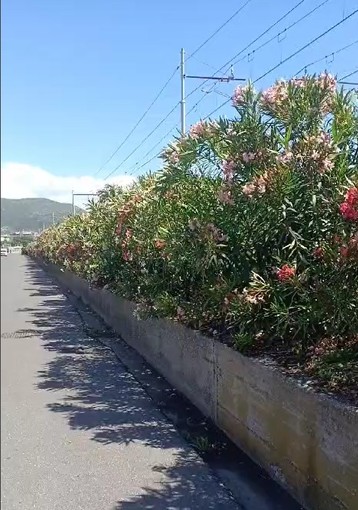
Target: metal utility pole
x: 183, y: 76
x: 73, y: 203
x: 182, y: 83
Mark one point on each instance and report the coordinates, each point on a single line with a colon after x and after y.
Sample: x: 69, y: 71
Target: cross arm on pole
x: 216, y: 78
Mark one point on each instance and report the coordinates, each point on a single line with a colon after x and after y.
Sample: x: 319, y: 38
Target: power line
x: 307, y: 45
x: 218, y: 29
x: 284, y: 31
x: 292, y: 55
x: 336, y: 52
x: 146, y: 162
x: 140, y: 120
x: 280, y: 63
x: 244, y: 49
x: 247, y: 46
x: 348, y: 75
x: 168, y: 81
x: 143, y: 141
x: 253, y: 42
x: 134, y: 168
x: 222, y: 67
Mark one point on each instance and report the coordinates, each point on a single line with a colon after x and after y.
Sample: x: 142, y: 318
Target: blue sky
x: 77, y: 75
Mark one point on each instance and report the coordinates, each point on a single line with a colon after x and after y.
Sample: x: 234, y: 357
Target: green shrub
x: 250, y: 229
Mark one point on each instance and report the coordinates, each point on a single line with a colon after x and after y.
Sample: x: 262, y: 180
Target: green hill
x: 32, y: 214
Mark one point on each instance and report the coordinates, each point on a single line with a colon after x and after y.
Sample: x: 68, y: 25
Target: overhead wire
x: 307, y: 45
x: 164, y: 87
x: 218, y: 29
x: 139, y: 121
x: 264, y: 44
x: 333, y: 54
x: 143, y: 141
x: 248, y: 45
x: 136, y: 168
x: 251, y: 43
x: 285, y: 15
x: 284, y: 31
x: 348, y: 75
x: 292, y: 55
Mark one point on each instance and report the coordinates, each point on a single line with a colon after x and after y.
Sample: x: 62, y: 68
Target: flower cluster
x: 215, y: 233
x: 250, y: 157
x: 258, y: 185
x: 225, y: 196
x: 159, y: 244
x: 285, y: 157
x: 126, y: 212
x: 350, y: 250
x: 241, y: 231
x: 208, y: 231
x: 126, y: 253
x: 275, y: 95
x: 228, y: 168
x: 285, y: 273
x: 198, y: 130
x: 316, y: 152
x: 318, y: 252
x: 349, y: 208
x: 172, y: 152
x: 239, y: 96
x: 328, y: 82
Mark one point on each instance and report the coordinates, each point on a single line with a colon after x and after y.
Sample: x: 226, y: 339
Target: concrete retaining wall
x: 307, y: 442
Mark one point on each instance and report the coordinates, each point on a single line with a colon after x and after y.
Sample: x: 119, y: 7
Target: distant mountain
x: 32, y: 214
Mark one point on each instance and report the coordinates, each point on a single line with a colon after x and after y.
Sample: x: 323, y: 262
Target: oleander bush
x: 248, y: 232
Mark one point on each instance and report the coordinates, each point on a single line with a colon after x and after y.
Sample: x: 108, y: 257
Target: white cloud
x: 20, y: 180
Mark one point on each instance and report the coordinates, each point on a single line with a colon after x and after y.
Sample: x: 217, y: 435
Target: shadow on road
x: 100, y: 396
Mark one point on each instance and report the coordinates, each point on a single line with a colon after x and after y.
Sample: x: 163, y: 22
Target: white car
x: 4, y: 252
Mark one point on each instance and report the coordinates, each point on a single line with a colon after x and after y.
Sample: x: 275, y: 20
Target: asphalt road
x: 78, y: 432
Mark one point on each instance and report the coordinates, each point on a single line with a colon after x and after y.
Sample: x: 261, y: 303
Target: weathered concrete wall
x: 307, y: 442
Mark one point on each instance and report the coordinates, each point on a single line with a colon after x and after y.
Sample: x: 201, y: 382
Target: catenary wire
x: 291, y: 56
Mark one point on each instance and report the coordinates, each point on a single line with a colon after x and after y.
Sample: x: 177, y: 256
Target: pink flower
x: 228, y: 168
x: 299, y: 82
x: 349, y: 212
x: 238, y: 97
x: 216, y: 234
x: 257, y: 185
x: 352, y: 196
x: 173, y: 157
x: 325, y: 138
x: 198, y: 130
x: 247, y: 157
x: 350, y: 251
x: 337, y: 239
x: 327, y: 81
x: 225, y: 196
x: 349, y: 208
x: 285, y: 157
x: 249, y: 189
x: 315, y: 155
x: 127, y: 255
x: 160, y: 244
x: 286, y: 272
x: 327, y: 164
x: 318, y: 252
x: 275, y: 95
